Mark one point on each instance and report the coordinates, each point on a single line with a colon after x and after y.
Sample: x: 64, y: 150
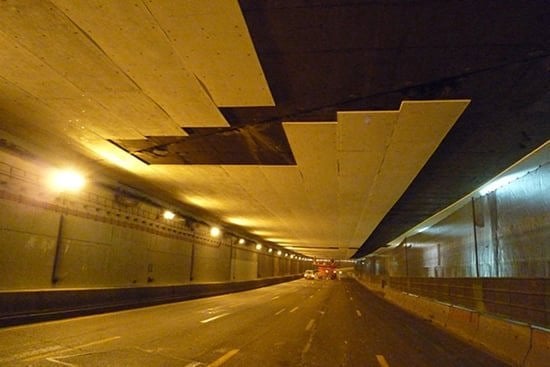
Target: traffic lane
x: 173, y: 332
x: 286, y: 338
x: 385, y: 334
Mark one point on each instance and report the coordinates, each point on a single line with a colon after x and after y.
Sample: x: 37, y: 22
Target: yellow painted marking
x: 224, y: 358
x: 214, y: 318
x: 382, y: 361
x: 50, y: 354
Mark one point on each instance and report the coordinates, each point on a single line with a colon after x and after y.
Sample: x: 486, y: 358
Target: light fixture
x: 168, y: 215
x: 258, y: 246
x: 503, y: 181
x: 241, y: 241
x: 279, y: 252
x: 66, y: 180
x: 270, y: 250
x: 215, y: 232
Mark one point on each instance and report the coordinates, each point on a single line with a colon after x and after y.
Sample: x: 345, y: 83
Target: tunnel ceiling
x: 329, y: 126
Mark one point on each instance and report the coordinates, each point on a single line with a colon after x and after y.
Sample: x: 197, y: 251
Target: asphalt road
x: 301, y: 323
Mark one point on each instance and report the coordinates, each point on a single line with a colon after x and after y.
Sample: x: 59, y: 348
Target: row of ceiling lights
x: 216, y: 232
x: 72, y: 181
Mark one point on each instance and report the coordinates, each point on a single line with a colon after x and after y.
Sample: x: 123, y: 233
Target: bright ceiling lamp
x: 168, y: 215
x: 241, y: 241
x: 66, y: 180
x: 270, y: 250
x: 279, y: 252
x: 215, y: 232
x: 258, y: 246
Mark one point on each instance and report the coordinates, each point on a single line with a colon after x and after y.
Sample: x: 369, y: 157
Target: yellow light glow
x: 258, y: 246
x: 215, y: 232
x: 168, y: 215
x: 241, y: 241
x: 279, y: 252
x: 270, y: 250
x: 66, y: 180
x: 202, y: 202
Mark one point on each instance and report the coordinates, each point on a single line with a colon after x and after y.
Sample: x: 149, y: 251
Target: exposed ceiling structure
x: 329, y: 127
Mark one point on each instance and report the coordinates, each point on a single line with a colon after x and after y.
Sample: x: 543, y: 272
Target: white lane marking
x: 274, y: 298
x: 28, y: 354
x: 351, y: 298
x: 294, y: 309
x: 358, y: 313
x: 53, y: 360
x: 214, y: 318
x: 280, y: 312
x: 310, y: 324
x: 194, y: 364
x: 44, y: 355
x: 218, y: 362
x: 382, y: 361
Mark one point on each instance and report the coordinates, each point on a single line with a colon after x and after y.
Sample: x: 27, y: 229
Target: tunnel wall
x: 490, y: 255
x: 107, y: 237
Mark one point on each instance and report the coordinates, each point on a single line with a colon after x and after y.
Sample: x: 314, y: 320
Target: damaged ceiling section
x: 327, y: 126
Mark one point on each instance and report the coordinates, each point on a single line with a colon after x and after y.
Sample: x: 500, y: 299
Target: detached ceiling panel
x: 130, y: 36
x: 212, y: 39
x: 419, y: 129
x: 364, y: 138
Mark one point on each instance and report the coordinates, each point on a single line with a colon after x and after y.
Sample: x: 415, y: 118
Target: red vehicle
x: 326, y: 269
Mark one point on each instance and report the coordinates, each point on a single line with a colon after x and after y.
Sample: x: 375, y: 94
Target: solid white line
x: 310, y: 324
x: 280, y: 312
x: 218, y: 362
x: 214, y: 318
x: 294, y: 309
x: 382, y: 361
x: 358, y: 313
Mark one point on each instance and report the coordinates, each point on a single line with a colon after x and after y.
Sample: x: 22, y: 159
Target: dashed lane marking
x: 351, y: 298
x: 294, y: 309
x: 218, y: 362
x: 215, y: 318
x: 310, y: 324
x: 382, y: 361
x: 358, y: 313
x: 274, y: 298
x: 280, y: 312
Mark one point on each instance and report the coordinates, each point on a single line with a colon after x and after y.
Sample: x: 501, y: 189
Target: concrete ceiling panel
x: 131, y: 37
x: 213, y: 41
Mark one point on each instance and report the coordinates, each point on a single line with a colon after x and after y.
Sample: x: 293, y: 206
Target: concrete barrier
x: 539, y: 354
x: 436, y: 312
x: 19, y: 307
x: 462, y: 322
x: 506, y: 340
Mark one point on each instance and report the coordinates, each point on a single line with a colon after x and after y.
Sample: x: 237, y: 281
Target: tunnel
x: 274, y: 183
